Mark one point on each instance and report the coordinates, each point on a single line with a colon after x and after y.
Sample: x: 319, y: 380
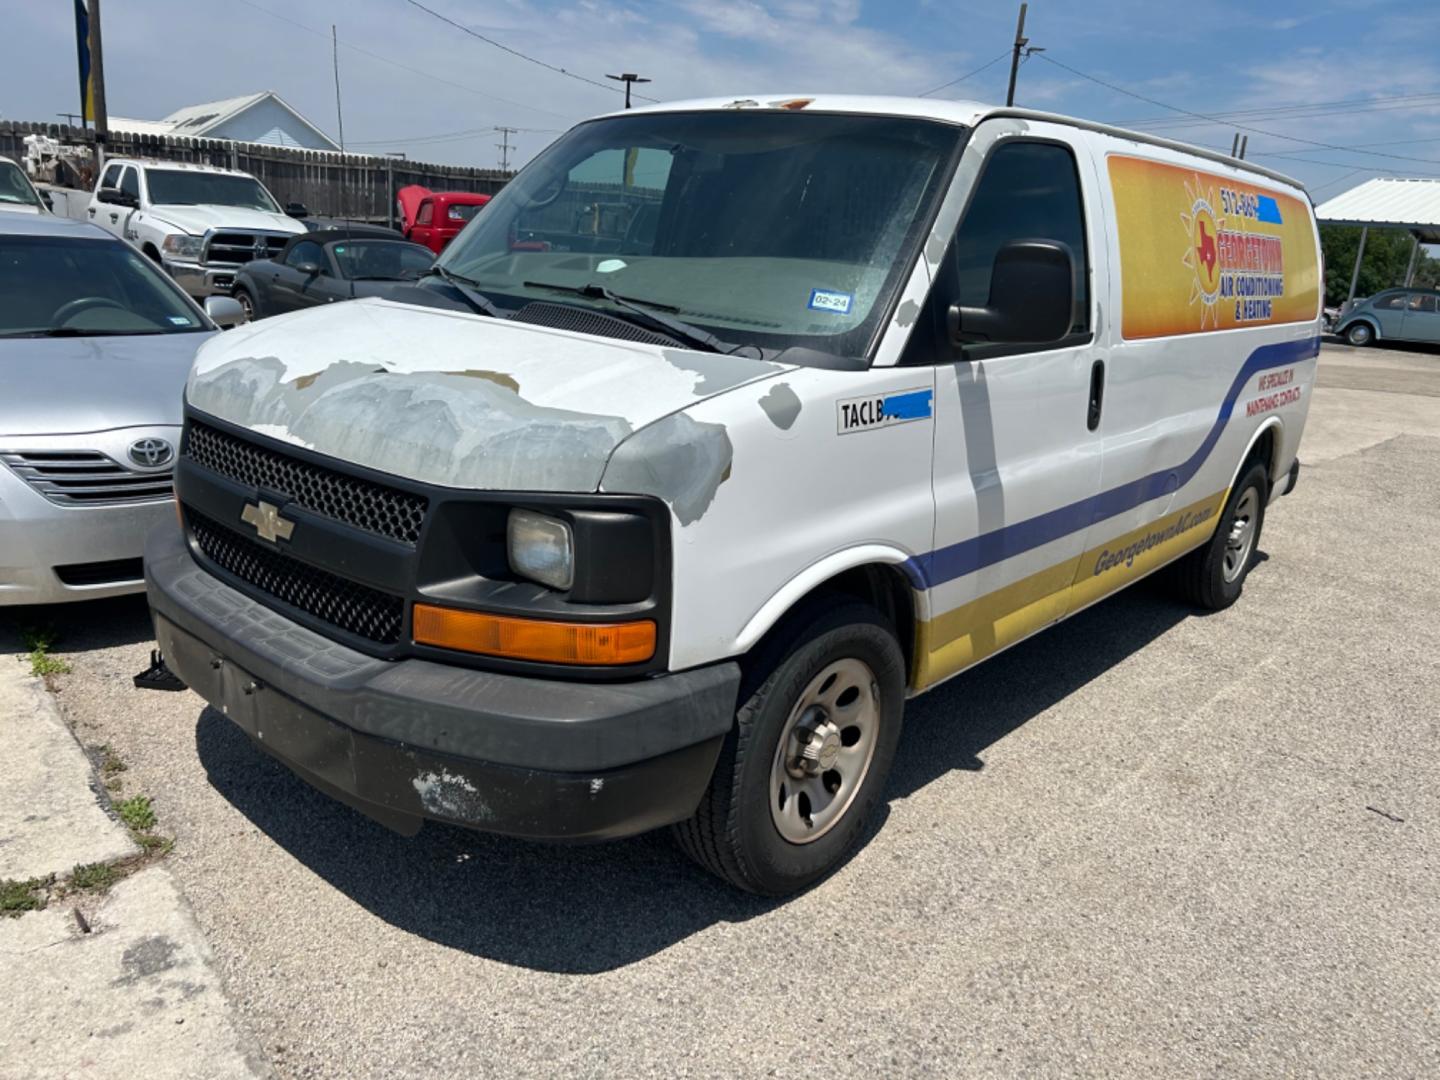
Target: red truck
x: 434, y: 218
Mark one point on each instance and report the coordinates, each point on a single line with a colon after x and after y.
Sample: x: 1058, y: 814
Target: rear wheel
x: 1213, y: 576
x: 808, y: 757
x: 1360, y: 334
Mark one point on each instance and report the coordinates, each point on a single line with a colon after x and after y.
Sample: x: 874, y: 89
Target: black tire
x: 1360, y: 334
x: 1201, y: 576
x: 246, y: 301
x: 733, y: 833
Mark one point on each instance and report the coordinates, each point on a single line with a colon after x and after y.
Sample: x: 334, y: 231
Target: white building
x: 256, y: 118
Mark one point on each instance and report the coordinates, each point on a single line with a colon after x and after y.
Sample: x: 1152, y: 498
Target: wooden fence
x: 329, y: 184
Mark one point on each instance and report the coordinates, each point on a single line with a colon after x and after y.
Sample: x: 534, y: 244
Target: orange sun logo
x: 1202, y: 254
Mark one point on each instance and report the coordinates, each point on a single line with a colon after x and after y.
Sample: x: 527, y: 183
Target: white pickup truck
x: 200, y: 222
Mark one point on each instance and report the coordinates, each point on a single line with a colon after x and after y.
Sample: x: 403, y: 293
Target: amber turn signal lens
x: 534, y: 639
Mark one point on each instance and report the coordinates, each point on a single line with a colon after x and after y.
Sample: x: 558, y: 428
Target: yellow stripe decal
x: 955, y: 639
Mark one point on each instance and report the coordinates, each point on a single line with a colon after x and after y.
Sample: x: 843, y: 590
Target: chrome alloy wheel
x: 825, y: 751
x: 1242, y: 534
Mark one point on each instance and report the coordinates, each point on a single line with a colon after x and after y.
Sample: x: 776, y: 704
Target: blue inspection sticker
x: 837, y: 303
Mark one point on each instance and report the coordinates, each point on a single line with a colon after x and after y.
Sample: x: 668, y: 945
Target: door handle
x: 1097, y: 394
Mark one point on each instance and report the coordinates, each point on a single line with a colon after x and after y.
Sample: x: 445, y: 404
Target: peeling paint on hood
x: 450, y: 398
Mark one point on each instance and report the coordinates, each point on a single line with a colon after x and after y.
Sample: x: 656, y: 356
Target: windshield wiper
x: 75, y: 331
x: 645, y: 312
x: 464, y: 286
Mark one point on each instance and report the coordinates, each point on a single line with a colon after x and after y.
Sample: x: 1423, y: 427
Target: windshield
x: 176, y: 187
x: 381, y: 259
x: 774, y: 229
x: 61, y: 286
x: 15, y: 186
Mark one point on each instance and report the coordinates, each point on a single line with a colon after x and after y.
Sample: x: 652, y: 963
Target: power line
x: 969, y: 75
x: 450, y: 136
x: 1344, y: 105
x: 405, y: 67
x: 516, y: 52
x: 1243, y: 127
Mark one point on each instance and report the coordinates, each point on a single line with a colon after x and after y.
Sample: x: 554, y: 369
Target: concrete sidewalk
x: 119, y: 985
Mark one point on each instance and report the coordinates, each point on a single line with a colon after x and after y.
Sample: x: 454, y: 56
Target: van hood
x: 197, y: 219
x: 59, y: 386
x: 450, y: 398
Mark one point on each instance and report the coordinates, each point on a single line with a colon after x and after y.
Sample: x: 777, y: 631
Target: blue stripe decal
x: 955, y: 561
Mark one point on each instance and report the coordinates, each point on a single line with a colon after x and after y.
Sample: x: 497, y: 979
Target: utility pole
x: 504, y: 146
x: 97, y: 83
x: 629, y: 79
x: 1020, y: 42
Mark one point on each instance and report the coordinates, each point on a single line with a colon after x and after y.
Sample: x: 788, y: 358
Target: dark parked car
x: 322, y: 267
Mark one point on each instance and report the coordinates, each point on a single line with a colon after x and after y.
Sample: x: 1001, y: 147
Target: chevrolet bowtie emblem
x: 267, y: 521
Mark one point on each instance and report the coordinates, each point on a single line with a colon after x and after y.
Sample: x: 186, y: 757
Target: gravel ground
x: 1143, y: 843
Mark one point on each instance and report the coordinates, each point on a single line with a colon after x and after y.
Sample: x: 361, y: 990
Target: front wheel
x: 1360, y: 334
x: 808, y: 757
x: 1213, y: 575
x: 247, y: 304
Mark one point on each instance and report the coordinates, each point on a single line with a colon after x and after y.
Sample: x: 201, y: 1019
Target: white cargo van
x: 728, y: 427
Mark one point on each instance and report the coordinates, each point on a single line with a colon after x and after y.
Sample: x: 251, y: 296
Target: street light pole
x: 629, y: 79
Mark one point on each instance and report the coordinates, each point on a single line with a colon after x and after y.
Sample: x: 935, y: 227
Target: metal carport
x: 1387, y: 203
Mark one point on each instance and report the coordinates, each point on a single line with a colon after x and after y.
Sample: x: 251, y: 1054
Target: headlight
x: 541, y: 548
x: 183, y: 247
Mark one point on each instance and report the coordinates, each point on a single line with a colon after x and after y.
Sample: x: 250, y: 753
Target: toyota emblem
x: 151, y: 453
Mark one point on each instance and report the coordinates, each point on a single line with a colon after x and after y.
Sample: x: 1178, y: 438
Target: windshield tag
x: 179, y: 320
x: 837, y: 303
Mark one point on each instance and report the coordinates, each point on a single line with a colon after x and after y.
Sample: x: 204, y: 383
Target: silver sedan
x: 95, y: 346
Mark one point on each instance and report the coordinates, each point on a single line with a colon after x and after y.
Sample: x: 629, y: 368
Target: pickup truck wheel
x: 1213, y: 576
x: 808, y: 757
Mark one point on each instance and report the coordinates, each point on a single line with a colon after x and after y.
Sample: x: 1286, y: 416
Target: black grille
x: 584, y: 321
x: 375, y: 508
x: 102, y: 573
x: 354, y: 608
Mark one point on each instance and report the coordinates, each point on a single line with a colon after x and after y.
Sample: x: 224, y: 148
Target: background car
x: 16, y: 191
x: 322, y: 267
x: 1392, y: 315
x: 95, y: 346
x: 434, y: 218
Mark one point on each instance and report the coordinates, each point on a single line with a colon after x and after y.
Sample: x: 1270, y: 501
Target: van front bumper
x: 409, y: 740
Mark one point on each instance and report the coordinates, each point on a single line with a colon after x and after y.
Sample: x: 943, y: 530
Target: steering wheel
x: 67, y: 311
x: 544, y: 196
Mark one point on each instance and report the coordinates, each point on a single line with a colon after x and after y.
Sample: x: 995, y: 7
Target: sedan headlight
x: 183, y: 247
x: 541, y: 548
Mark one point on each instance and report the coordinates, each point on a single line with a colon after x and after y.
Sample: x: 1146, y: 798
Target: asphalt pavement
x: 1146, y: 842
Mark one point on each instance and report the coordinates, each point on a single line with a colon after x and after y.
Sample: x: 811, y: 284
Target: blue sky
x: 416, y: 85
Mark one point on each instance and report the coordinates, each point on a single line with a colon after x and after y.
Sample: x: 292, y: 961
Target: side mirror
x: 116, y: 197
x: 309, y: 269
x: 296, y: 210
x: 224, y: 311
x: 1032, y: 297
